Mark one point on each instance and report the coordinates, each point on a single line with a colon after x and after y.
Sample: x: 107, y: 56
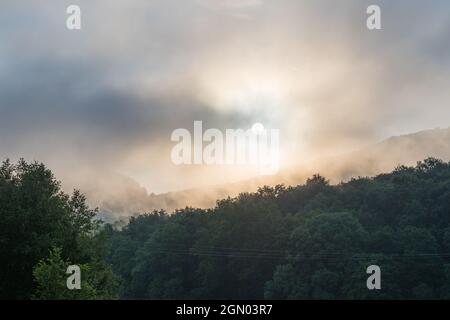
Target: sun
x: 258, y: 128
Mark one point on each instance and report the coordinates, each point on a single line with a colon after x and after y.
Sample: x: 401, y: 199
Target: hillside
x: 129, y: 198
x: 312, y: 241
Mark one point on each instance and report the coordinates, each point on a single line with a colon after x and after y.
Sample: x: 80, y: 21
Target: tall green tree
x: 36, y: 216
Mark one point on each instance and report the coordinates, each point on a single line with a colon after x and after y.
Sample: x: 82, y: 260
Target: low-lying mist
x: 120, y: 197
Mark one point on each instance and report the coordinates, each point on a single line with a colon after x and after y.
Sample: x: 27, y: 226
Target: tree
x: 309, y: 241
x: 51, y: 280
x: 36, y: 216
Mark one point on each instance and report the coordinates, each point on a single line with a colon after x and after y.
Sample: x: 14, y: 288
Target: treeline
x: 309, y: 241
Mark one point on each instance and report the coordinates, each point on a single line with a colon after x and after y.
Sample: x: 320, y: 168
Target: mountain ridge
x: 374, y: 159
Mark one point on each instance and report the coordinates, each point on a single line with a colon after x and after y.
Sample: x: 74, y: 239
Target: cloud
x: 230, y: 4
x: 107, y: 98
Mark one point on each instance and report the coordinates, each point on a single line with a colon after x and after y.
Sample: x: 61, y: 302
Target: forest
x: 311, y: 241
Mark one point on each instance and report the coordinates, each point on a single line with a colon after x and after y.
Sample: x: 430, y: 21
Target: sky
x: 102, y: 101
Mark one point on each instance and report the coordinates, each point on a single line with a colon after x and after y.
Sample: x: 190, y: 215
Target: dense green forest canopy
x: 309, y: 241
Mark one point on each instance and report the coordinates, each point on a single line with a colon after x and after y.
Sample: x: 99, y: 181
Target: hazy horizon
x: 103, y: 101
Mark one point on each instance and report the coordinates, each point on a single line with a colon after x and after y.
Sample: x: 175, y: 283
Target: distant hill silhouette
x: 128, y: 198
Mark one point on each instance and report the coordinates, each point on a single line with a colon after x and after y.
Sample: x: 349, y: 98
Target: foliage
x: 310, y: 241
x: 51, y: 278
x: 36, y: 216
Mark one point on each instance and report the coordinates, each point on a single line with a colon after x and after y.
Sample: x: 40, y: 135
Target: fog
x: 98, y: 105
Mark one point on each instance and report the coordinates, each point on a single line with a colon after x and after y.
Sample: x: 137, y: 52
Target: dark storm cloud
x: 70, y: 101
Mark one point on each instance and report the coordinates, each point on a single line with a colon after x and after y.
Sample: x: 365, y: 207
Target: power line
x: 213, y: 251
